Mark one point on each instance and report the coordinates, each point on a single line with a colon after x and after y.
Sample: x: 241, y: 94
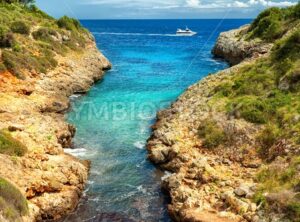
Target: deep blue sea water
x: 151, y: 68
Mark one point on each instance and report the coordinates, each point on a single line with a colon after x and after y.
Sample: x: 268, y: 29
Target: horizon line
x: 164, y: 19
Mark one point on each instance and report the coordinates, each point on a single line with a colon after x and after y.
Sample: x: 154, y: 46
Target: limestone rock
x: 32, y: 110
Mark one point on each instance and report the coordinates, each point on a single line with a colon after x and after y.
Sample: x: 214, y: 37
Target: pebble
x: 252, y: 207
x: 241, y: 191
x: 255, y: 218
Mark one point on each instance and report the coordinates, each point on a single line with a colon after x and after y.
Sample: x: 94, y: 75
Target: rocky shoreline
x: 33, y: 112
x: 234, y: 48
x: 209, y: 184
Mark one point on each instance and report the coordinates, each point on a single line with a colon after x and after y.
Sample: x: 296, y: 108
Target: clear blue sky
x: 147, y: 9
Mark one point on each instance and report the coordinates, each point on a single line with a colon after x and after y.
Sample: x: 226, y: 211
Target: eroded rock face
x: 209, y: 184
x: 233, y: 47
x: 51, y: 180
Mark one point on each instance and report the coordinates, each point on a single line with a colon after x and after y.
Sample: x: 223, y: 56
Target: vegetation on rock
x: 51, y: 37
x: 274, y: 22
x: 20, y: 27
x: 212, y: 134
x: 11, y: 146
x: 13, y: 205
x: 282, y: 180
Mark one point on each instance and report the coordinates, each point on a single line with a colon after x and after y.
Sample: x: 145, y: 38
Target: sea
x: 151, y: 68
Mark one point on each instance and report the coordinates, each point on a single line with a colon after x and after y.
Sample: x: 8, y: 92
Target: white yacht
x: 186, y: 32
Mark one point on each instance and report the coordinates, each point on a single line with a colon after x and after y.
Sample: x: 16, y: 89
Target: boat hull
x: 186, y: 33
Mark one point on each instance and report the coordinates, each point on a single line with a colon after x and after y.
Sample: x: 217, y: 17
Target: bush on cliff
x: 6, y: 38
x: 274, y: 22
x: 287, y: 48
x: 13, y: 205
x: 44, y: 34
x: 20, y: 27
x: 267, y: 138
x: 16, y: 61
x: 267, y: 25
x: 211, y: 133
x: 69, y: 23
x: 11, y: 146
x: 249, y: 108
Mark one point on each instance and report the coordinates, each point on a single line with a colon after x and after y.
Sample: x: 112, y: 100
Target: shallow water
x: 151, y: 67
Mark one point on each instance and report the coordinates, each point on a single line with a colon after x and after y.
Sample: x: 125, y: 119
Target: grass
x: 13, y: 204
x: 11, y: 146
x: 37, y: 54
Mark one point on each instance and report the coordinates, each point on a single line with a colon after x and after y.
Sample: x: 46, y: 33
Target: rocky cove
x: 229, y: 150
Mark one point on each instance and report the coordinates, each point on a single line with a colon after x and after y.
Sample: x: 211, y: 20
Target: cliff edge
x: 230, y: 144
x: 43, y: 61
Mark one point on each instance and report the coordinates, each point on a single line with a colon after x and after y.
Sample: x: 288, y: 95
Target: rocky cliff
x: 233, y: 46
x: 33, y: 131
x: 229, y: 144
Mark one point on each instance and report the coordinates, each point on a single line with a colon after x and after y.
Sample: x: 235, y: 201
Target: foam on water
x: 140, y: 144
x: 79, y: 152
x: 133, y: 34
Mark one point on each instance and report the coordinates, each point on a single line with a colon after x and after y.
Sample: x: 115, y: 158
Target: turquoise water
x: 151, y: 67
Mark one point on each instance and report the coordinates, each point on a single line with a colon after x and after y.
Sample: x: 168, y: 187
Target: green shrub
x: 39, y: 13
x: 274, y: 22
x: 251, y: 109
x: 259, y: 198
x: 2, y: 67
x: 268, y: 25
x: 16, y: 47
x: 13, y: 204
x: 21, y: 54
x: 258, y: 75
x: 20, y: 27
x: 293, y: 210
x: 288, y: 48
x: 264, y: 14
x: 279, y: 175
x: 6, y: 38
x: 69, y: 23
x: 11, y: 146
x: 44, y: 34
x: 296, y: 11
x: 17, y: 61
x: 267, y: 138
x: 224, y: 89
x: 212, y: 134
x: 13, y: 63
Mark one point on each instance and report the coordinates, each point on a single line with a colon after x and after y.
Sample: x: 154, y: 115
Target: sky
x: 158, y: 9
